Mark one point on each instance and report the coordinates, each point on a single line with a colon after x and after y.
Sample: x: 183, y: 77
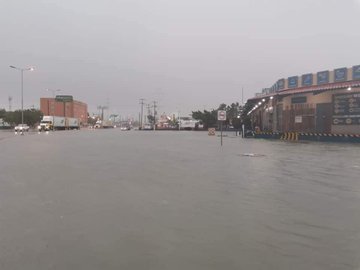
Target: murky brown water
x: 111, y: 199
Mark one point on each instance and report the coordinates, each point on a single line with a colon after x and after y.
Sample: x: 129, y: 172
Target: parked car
x: 22, y: 127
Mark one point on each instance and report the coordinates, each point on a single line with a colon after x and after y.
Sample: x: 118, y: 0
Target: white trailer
x: 58, y: 123
x: 72, y: 123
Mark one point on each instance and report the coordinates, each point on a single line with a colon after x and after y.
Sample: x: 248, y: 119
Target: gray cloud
x: 186, y: 54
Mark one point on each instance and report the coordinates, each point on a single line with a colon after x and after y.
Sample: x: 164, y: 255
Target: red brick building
x: 73, y: 109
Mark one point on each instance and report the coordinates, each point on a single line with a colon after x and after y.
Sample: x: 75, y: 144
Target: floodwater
x: 111, y: 199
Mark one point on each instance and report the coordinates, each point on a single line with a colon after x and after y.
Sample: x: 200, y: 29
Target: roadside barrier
x: 308, y: 136
x: 290, y: 136
x: 211, y: 131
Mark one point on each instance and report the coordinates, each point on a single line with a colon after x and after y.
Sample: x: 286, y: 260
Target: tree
x: 245, y: 117
x: 151, y: 119
x: 233, y: 113
x: 2, y: 113
x: 208, y: 118
x: 31, y: 117
x: 92, y: 120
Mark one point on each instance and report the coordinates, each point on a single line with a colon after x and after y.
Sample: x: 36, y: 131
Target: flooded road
x: 111, y: 199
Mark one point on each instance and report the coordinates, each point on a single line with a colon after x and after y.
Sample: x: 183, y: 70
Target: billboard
x: 323, y: 77
x: 346, y: 109
x: 340, y: 74
x: 64, y: 98
x: 307, y: 79
x: 356, y: 72
x: 281, y: 84
x: 293, y: 82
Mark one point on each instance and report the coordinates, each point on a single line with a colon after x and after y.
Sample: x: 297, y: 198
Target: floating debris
x: 252, y: 155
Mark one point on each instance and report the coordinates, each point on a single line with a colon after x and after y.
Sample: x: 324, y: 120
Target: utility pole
x: 148, y: 106
x: 242, y: 96
x: 154, y: 115
x: 99, y: 108
x: 142, y: 112
x: 10, y: 103
x: 102, y: 108
x: 22, y: 89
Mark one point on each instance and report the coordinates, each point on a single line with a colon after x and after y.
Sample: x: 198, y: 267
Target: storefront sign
x: 298, y: 119
x: 323, y: 77
x: 346, y: 109
x: 307, y: 79
x: 297, y: 100
x: 293, y: 82
x: 281, y: 84
x: 356, y: 72
x: 340, y: 74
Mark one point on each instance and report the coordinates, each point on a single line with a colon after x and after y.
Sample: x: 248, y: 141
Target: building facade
x: 73, y: 109
x: 324, y: 102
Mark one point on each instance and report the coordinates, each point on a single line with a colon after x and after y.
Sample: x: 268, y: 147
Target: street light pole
x: 22, y: 97
x: 22, y: 89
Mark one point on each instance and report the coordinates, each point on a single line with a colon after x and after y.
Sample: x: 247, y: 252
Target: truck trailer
x: 58, y: 123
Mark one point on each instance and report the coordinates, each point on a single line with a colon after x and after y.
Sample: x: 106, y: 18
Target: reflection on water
x: 109, y: 199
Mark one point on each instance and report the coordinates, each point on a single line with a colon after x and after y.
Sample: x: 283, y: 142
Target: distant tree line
x: 31, y: 117
x: 234, y: 116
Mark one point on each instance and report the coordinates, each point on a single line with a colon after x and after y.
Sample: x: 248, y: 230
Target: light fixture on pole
x: 22, y: 89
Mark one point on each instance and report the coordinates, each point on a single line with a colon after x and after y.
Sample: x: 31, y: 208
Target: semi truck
x: 58, y: 123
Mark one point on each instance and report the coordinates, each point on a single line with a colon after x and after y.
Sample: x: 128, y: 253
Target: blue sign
x: 281, y: 84
x: 307, y: 79
x: 340, y: 74
x: 293, y: 82
x: 356, y: 72
x: 323, y: 77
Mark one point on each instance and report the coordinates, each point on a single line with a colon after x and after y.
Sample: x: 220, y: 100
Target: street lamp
x: 22, y: 89
x: 53, y: 114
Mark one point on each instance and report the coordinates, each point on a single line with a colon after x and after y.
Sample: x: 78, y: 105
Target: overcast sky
x: 185, y: 54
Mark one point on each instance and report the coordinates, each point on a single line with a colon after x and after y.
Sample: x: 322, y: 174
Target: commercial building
x: 325, y: 102
x: 64, y: 106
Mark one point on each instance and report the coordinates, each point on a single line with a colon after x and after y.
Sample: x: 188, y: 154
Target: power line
x: 154, y: 114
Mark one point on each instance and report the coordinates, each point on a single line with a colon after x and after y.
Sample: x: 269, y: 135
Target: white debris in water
x: 252, y: 155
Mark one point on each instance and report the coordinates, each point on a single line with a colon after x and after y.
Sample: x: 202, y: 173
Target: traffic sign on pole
x: 221, y: 115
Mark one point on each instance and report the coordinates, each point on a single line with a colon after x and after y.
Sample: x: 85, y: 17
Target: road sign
x: 64, y: 98
x: 221, y: 115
